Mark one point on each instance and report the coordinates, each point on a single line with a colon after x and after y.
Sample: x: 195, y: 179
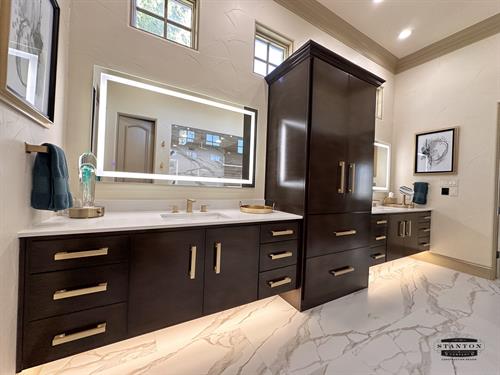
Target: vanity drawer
x: 278, y: 254
x: 76, y: 252
x: 277, y: 281
x: 281, y: 231
x: 424, y: 217
x: 332, y: 276
x: 83, y: 330
x: 377, y: 255
x: 339, y: 232
x: 62, y: 292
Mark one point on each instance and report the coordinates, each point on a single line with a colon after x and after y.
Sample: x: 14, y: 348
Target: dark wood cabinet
x: 166, y: 279
x: 408, y: 234
x: 231, y: 267
x: 321, y: 126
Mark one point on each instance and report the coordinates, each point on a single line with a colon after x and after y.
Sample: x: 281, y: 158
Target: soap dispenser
x: 87, y: 164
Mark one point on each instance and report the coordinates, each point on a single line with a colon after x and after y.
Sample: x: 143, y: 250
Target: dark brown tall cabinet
x: 321, y: 126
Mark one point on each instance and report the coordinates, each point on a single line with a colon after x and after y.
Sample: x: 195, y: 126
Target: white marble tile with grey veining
x: 390, y: 328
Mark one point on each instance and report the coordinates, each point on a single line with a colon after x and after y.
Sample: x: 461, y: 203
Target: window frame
x: 270, y: 37
x: 194, y: 4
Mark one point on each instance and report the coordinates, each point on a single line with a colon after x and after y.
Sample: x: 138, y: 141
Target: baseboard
x: 456, y: 264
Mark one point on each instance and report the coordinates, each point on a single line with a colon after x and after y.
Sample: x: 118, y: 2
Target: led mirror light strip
x: 101, y: 144
x: 387, y: 177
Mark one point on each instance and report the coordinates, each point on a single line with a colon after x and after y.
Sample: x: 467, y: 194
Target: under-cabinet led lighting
x: 105, y: 77
x: 405, y: 34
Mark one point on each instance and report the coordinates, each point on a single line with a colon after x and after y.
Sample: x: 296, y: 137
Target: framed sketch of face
x: 435, y: 152
x: 28, y: 56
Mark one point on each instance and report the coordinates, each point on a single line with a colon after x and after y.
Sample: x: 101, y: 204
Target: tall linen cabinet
x: 321, y: 124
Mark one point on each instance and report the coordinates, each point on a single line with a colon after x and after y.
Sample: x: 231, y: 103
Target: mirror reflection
x: 153, y: 133
x: 381, y: 166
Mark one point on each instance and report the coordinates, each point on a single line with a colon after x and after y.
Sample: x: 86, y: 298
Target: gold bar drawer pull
x: 283, y: 281
x: 63, y: 293
x: 427, y: 230
x: 425, y: 244
x: 378, y: 256
x: 342, y: 271
x: 285, y: 254
x: 427, y: 217
x: 192, y: 266
x: 380, y: 238
x: 285, y: 232
x: 345, y: 233
x: 64, y: 255
x: 380, y: 222
x: 64, y: 338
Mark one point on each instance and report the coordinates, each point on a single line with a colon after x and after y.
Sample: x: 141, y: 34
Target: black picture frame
x: 9, y: 96
x: 440, y: 147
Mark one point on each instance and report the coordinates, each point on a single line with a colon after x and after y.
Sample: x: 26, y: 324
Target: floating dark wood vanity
x: 79, y: 292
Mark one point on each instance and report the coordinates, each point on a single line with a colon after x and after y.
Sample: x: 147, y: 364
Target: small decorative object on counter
x: 256, y: 208
x: 87, y: 166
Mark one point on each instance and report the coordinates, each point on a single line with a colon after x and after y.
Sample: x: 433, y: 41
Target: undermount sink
x: 194, y: 216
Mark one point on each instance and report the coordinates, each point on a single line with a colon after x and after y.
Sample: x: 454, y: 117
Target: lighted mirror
x: 381, y: 166
x: 149, y: 132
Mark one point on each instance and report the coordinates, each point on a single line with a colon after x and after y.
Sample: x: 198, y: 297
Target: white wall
x: 459, y: 89
x: 222, y: 68
x: 15, y: 188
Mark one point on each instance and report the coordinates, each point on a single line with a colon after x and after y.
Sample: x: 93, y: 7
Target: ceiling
x: 430, y: 20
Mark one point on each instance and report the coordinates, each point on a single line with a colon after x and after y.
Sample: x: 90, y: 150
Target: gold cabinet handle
x: 341, y: 189
x: 342, y: 271
x: 282, y: 255
x: 283, y: 281
x: 425, y: 244
x: 408, y: 228
x: 380, y: 222
x: 218, y: 254
x: 192, y: 265
x: 427, y: 217
x: 380, y: 238
x: 64, y: 338
x: 345, y: 233
x: 286, y: 232
x: 352, y: 169
x: 402, y: 228
x: 427, y: 230
x: 378, y: 256
x: 65, y: 255
x: 63, y: 293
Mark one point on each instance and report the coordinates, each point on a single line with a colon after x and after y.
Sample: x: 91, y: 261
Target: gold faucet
x: 189, y: 206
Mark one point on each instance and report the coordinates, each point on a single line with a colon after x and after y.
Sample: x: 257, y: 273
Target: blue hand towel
x: 50, y: 181
x: 420, y: 192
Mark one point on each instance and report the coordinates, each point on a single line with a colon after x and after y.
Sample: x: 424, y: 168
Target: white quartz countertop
x: 378, y: 210
x: 143, y: 220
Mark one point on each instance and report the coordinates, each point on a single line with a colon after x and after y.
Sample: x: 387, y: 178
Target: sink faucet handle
x: 191, y: 200
x: 204, y: 208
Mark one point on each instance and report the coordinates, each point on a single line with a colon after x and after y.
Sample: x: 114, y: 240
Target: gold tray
x: 85, y: 212
x: 256, y: 209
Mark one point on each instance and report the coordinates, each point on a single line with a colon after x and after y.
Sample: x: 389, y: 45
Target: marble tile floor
x: 390, y: 328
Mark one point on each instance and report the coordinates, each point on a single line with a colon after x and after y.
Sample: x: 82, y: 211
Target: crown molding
x: 472, y: 34
x: 323, y: 18
x: 326, y: 20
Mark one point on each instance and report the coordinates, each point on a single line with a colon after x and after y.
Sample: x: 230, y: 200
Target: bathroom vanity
x: 85, y: 284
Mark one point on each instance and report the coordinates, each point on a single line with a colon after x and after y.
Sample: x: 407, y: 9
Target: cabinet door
x: 231, y: 267
x: 396, y: 244
x: 328, y: 140
x: 166, y: 279
x: 361, y: 127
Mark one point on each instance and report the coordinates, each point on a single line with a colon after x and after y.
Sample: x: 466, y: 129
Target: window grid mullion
x: 149, y: 13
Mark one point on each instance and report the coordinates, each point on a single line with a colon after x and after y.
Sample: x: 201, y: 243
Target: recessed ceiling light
x: 405, y: 34
x: 377, y: 1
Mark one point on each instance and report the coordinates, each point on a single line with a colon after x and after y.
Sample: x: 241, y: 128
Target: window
x: 240, y: 146
x: 270, y: 50
x: 186, y: 136
x: 217, y: 158
x: 213, y: 140
x: 174, y: 20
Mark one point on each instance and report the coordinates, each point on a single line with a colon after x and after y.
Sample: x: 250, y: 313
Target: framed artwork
x: 29, y: 32
x: 436, y: 151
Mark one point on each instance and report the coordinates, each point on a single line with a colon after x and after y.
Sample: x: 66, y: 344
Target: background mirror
x: 382, y: 166
x: 151, y: 133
